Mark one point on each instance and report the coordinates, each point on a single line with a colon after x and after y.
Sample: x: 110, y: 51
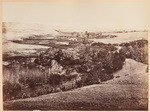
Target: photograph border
x: 1, y: 49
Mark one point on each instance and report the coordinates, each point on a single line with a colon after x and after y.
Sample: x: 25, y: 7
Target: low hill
x: 127, y: 91
x: 18, y: 31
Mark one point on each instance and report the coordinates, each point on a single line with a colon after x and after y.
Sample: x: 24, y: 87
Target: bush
x: 33, y: 81
x: 55, y: 79
x: 136, y: 50
x: 105, y: 76
x: 10, y: 90
x: 92, y: 79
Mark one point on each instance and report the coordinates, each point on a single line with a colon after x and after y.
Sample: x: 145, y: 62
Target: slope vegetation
x: 127, y: 91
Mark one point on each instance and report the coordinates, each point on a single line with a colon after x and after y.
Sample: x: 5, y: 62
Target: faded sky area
x: 80, y: 15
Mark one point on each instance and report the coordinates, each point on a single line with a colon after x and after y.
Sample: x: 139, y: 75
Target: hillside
x: 132, y: 73
x: 127, y: 91
x: 17, y: 31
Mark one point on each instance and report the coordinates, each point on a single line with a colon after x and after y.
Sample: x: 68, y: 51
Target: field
x: 124, y: 37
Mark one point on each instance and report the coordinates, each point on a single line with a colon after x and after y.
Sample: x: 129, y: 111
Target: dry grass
x: 96, y: 97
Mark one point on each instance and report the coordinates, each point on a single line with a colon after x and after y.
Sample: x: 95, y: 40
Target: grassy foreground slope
x: 127, y: 91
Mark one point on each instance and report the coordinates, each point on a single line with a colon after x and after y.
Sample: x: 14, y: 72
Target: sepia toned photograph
x: 75, y: 55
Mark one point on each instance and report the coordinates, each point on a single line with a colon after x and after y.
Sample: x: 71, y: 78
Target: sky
x: 80, y: 15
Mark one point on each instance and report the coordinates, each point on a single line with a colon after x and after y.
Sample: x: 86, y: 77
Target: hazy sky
x: 81, y: 15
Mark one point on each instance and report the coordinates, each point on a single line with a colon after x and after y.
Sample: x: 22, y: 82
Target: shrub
x: 105, y: 76
x: 55, y: 79
x: 137, y: 50
x: 10, y: 90
x: 92, y: 79
x: 32, y: 81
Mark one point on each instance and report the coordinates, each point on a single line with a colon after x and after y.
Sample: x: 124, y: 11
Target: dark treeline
x: 136, y: 50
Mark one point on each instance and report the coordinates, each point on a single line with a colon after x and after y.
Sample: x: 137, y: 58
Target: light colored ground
x: 127, y: 92
x: 123, y: 37
x: 11, y: 47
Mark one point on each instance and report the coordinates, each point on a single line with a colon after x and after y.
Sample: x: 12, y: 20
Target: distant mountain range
x: 17, y: 31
